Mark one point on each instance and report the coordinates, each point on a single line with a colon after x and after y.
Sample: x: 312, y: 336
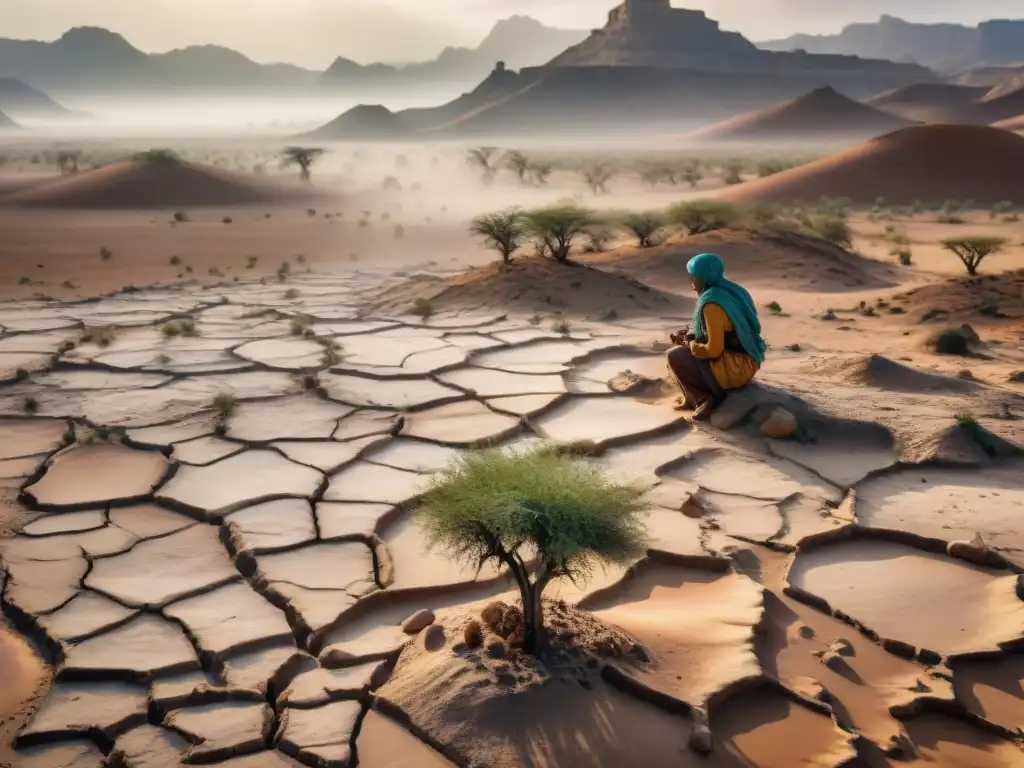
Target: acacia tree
x: 692, y: 173
x: 541, y: 172
x: 504, y: 231
x: 597, y: 177
x: 67, y: 161
x: 519, y: 164
x: 483, y: 158
x: 558, y: 227
x: 973, y: 250
x: 701, y: 216
x: 492, y: 505
x: 644, y: 226
x: 303, y: 157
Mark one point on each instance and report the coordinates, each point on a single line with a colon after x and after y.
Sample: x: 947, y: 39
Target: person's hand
x: 679, y: 338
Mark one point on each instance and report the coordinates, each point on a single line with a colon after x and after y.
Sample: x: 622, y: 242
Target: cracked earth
x: 232, y: 591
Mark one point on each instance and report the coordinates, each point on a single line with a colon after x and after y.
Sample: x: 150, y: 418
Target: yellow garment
x: 732, y: 369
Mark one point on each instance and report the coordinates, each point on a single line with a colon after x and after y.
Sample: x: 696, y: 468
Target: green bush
x: 558, y: 227
x: 511, y: 507
x: 503, y: 231
x: 701, y: 216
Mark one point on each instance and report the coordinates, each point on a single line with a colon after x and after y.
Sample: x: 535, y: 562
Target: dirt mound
x: 927, y: 163
x: 882, y: 373
x: 469, y: 689
x: 534, y: 284
x: 987, y: 299
x: 823, y: 114
x: 929, y: 102
x: 364, y: 122
x: 799, y: 263
x: 142, y: 185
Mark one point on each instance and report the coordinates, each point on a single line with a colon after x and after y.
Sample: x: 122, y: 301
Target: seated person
x: 723, y: 349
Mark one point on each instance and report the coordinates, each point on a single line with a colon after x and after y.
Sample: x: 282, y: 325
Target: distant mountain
x: 945, y: 47
x: 6, y: 122
x: 518, y: 41
x: 23, y: 102
x: 97, y: 61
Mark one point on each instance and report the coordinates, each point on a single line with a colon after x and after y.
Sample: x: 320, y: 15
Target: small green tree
x: 644, y: 226
x: 558, y: 227
x: 303, y: 157
x: 492, y: 505
x: 162, y: 156
x: 702, y: 216
x: 67, y: 161
x: 973, y: 250
x: 504, y: 231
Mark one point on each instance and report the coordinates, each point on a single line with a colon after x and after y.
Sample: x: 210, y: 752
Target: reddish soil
x: 926, y: 163
x: 823, y: 113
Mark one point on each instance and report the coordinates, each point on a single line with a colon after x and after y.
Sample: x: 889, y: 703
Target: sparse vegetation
x: 562, y: 326
x: 332, y: 353
x: 774, y: 307
x: 30, y: 404
x: 701, y: 216
x: 100, y: 335
x: 692, y: 173
x: 224, y: 406
x: 423, y: 308
x: 491, y: 505
x: 1001, y: 209
x: 251, y: 261
x: 163, y: 359
x: 227, y: 220
x: 558, y: 227
x: 772, y: 167
x: 644, y: 226
x: 832, y: 228
x: 180, y: 217
x: 106, y: 254
x: 291, y: 293
x: 541, y: 172
x: 483, y: 158
x: 519, y: 164
x: 175, y: 261
x: 301, y: 325
x: 973, y: 250
x: 597, y: 177
x: 162, y: 156
x: 303, y: 157
x: 732, y: 172
x: 68, y: 160
x: 504, y: 231
x: 284, y: 272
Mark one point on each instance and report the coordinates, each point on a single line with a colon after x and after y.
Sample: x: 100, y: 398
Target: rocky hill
x: 945, y: 47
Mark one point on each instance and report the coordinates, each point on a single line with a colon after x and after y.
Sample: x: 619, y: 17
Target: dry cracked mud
x: 229, y: 587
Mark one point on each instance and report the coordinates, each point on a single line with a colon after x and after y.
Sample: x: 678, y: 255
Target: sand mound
x: 534, y: 284
x: 882, y: 373
x: 138, y: 185
x: 929, y: 102
x: 791, y: 260
x: 928, y: 163
x: 823, y: 114
x: 489, y: 705
x: 364, y: 122
x: 985, y: 299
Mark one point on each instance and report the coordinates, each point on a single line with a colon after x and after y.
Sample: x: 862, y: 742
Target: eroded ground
x: 228, y: 586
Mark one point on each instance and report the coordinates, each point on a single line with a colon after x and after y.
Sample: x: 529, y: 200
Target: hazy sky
x: 313, y: 32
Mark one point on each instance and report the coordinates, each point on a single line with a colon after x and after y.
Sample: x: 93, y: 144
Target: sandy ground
x: 750, y: 535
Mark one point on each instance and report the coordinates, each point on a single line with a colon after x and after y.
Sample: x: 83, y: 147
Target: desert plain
x: 224, y: 389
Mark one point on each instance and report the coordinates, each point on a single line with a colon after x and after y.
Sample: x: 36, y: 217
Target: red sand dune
x: 822, y: 114
x: 929, y: 102
x: 927, y: 163
x: 138, y: 185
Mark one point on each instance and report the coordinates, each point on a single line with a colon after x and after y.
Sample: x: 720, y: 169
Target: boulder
x: 418, y: 621
x: 780, y: 424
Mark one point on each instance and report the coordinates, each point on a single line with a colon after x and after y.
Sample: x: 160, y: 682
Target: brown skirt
x: 695, y: 378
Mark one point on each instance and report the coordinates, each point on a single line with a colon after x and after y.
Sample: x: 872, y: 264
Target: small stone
x: 418, y: 621
x: 473, y: 634
x: 432, y: 638
x: 806, y: 632
x: 780, y: 424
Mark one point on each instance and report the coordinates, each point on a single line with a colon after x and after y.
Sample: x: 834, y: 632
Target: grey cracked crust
x: 233, y: 588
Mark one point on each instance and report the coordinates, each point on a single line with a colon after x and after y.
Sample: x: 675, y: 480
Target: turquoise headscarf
x: 734, y: 299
